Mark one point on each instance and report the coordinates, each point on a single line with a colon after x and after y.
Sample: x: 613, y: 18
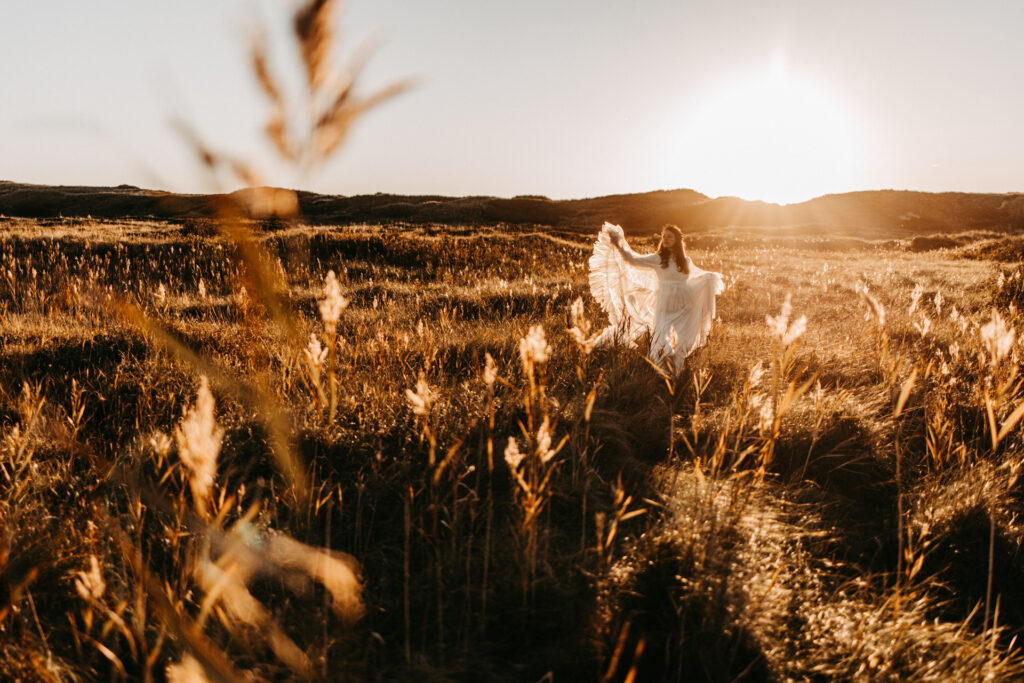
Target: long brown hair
x: 678, y: 251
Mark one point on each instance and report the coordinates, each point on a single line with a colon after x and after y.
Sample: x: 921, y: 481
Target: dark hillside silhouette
x: 872, y: 214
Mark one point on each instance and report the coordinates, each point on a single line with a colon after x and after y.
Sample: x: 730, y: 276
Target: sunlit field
x: 280, y: 435
x: 202, y: 473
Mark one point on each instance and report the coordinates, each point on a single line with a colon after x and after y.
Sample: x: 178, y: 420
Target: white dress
x: 639, y: 296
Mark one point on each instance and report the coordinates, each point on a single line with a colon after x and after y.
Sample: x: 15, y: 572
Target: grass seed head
x: 513, y: 456
x: 421, y: 399
x: 795, y: 330
x: 581, y: 327
x: 188, y: 670
x: 533, y: 348
x: 490, y: 370
x: 312, y: 26
x: 160, y: 443
x: 998, y: 338
x: 314, y: 353
x: 924, y: 325
x: 333, y: 304
x: 756, y: 373
x: 877, y: 310
x: 90, y: 584
x: 544, y: 451
x: 778, y: 325
x: 199, y: 439
x: 915, y: 298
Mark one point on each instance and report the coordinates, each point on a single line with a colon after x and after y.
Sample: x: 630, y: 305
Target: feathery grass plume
x: 780, y: 327
x: 532, y: 473
x: 544, y: 451
x: 336, y: 572
x: 777, y: 325
x: 997, y: 337
x: 276, y: 127
x: 420, y: 401
x: 534, y: 352
x: 331, y: 307
x: 199, y: 439
x: 513, y: 457
x: 766, y: 415
x: 534, y: 348
x: 755, y: 375
x: 333, y: 304
x: 331, y: 101
x: 923, y: 325
x: 915, y: 298
x: 784, y: 392
x: 315, y: 356
x: 490, y: 370
x: 160, y: 443
x: 90, y: 584
x: 885, y: 360
x: 876, y: 309
x: 312, y: 25
x: 333, y: 124
x: 422, y: 398
x: 581, y: 327
x: 796, y: 329
x: 224, y: 582
x: 188, y: 670
x: 255, y: 394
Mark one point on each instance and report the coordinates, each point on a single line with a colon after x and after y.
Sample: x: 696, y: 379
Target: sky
x: 779, y: 100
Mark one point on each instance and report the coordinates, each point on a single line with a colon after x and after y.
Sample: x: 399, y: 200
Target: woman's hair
x: 678, y: 251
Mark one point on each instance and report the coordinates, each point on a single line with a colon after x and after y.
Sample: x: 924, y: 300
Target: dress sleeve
x: 634, y: 259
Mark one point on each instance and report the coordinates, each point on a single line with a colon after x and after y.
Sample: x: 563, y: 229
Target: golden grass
x: 387, y: 452
x: 466, y: 554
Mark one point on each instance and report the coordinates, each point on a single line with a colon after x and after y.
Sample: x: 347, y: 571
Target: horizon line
x: 515, y: 196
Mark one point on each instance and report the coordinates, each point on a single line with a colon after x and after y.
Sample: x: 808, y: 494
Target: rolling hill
x: 880, y: 213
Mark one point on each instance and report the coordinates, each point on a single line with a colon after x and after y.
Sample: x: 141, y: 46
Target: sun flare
x: 773, y: 137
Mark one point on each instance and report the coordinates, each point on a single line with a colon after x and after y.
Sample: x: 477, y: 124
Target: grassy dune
x: 838, y: 504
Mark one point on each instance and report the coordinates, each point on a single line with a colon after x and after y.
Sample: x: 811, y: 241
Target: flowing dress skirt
x: 639, y: 296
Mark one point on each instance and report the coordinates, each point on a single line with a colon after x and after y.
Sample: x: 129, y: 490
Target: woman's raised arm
x: 618, y: 240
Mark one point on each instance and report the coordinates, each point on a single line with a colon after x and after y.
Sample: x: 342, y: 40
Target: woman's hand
x: 614, y: 233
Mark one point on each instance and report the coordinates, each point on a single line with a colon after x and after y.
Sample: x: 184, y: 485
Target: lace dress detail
x: 640, y: 296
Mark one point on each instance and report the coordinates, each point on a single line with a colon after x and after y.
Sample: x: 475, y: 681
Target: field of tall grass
x: 386, y: 452
x: 251, y: 448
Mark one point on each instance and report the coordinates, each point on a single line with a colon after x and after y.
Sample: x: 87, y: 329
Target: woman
x: 663, y: 293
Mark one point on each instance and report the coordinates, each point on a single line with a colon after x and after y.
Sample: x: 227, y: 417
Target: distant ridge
x: 866, y: 213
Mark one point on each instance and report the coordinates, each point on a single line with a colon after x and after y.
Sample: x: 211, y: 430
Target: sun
x: 773, y: 137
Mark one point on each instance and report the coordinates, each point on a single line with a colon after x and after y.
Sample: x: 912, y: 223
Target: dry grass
x: 256, y: 449
x: 834, y: 536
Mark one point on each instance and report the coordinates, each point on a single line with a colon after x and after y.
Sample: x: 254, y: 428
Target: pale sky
x: 778, y: 100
